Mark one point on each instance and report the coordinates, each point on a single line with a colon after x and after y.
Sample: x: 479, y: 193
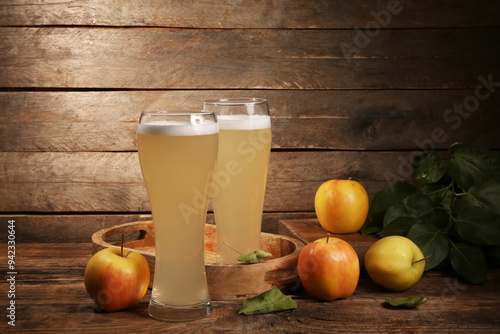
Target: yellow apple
x: 395, y: 262
x: 117, y: 281
x: 328, y: 269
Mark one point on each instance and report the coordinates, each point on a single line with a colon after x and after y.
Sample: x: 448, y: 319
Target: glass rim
x: 236, y: 101
x: 177, y: 112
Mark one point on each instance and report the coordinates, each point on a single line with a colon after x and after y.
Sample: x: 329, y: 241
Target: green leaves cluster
x: 454, y: 213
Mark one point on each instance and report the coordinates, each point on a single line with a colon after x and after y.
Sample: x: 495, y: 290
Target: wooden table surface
x: 50, y: 297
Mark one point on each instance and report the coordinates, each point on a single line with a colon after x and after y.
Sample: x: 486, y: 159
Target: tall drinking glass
x: 177, y: 153
x: 240, y: 177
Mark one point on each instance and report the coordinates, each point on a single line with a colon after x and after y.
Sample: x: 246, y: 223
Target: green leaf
x: 387, y: 197
x: 270, y: 301
x: 475, y: 223
x: 472, y: 165
x: 411, y: 206
x: 437, y: 216
x: 418, y: 206
x: 439, y: 194
x: 487, y: 195
x: 398, y: 226
x: 370, y: 230
x: 409, y: 302
x: 428, y: 167
x: 469, y: 262
x: 431, y: 241
x: 254, y: 257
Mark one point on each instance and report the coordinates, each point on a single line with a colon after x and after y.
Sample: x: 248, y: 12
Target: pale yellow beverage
x: 177, y: 162
x: 239, y: 183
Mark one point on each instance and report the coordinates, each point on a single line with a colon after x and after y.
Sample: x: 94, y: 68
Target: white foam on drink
x: 244, y: 122
x: 175, y: 128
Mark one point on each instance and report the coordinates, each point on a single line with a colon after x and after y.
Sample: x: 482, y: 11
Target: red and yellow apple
x: 115, y: 281
x: 341, y: 206
x: 328, y: 269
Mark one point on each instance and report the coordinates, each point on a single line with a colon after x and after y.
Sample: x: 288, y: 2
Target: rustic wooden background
x: 355, y: 89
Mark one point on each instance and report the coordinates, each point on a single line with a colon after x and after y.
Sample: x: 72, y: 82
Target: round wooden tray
x: 225, y: 282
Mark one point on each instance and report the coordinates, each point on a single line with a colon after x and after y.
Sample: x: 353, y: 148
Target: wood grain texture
x: 250, y: 14
x: 115, y: 168
x: 158, y: 58
x: 79, y: 227
x: 118, y: 197
x: 288, y: 133
x: 51, y: 297
x: 310, y: 230
x: 347, y: 98
x: 373, y: 120
x: 112, y: 182
x: 125, y: 106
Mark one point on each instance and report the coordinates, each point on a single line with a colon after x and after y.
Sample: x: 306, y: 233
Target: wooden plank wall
x: 355, y: 88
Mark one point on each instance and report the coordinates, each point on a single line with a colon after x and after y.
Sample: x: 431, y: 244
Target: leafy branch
x: 453, y: 214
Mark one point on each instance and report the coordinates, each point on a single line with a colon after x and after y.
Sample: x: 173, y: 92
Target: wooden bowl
x: 225, y: 282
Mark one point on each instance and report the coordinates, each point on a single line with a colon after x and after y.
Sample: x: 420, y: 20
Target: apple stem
x: 228, y: 245
x: 422, y: 259
x: 121, y: 252
x: 327, y: 237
